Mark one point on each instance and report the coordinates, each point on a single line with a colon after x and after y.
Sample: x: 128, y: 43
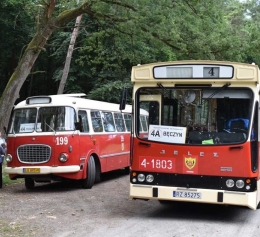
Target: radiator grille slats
x: 35, y: 154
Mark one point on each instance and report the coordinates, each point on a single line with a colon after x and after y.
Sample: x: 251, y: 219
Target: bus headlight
x: 8, y: 158
x: 149, y: 178
x: 230, y: 183
x: 141, y: 177
x: 240, y: 183
x: 63, y: 157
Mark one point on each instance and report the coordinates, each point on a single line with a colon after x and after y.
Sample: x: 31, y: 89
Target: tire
x: 29, y: 183
x: 258, y: 206
x: 127, y: 170
x: 165, y: 202
x: 98, y: 173
x: 89, y: 181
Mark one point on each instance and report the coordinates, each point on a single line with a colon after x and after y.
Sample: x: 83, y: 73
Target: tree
x: 15, y: 33
x: 69, y: 55
x: 127, y: 33
x: 48, y: 22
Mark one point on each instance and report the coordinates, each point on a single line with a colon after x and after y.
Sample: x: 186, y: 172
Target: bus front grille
x: 34, y: 154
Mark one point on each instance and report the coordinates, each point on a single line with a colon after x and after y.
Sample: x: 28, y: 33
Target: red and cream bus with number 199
x: 203, y: 139
x: 67, y: 137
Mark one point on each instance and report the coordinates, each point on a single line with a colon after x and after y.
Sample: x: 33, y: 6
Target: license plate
x: 186, y: 194
x: 31, y: 170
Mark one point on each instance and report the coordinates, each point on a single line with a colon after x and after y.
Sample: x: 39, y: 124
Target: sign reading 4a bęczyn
x: 168, y: 134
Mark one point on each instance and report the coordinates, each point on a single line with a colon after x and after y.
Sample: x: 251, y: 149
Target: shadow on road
x: 70, y: 185
x: 199, y: 211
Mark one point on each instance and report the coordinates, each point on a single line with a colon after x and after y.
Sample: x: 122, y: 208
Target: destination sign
x: 168, y: 134
x: 193, y: 71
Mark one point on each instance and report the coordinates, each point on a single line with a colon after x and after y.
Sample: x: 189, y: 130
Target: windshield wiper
x: 50, y: 127
x: 216, y: 92
x: 169, y: 94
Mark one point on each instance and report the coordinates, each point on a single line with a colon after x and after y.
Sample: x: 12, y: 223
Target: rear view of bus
x: 202, y: 144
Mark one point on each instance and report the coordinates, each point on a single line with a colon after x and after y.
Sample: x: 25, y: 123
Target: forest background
x: 113, y: 36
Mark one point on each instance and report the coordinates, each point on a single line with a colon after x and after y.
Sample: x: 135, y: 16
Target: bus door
x: 109, y: 141
x: 87, y: 142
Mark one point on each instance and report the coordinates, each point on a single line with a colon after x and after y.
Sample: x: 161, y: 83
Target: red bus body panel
x: 226, y: 160
x: 112, y: 151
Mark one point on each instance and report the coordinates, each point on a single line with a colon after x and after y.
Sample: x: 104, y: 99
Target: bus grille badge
x: 226, y: 169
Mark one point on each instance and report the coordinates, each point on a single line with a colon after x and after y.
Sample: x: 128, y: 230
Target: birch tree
x: 48, y: 21
x: 69, y: 55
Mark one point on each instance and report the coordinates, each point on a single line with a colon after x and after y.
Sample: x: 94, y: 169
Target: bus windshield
x: 44, y: 119
x: 204, y: 116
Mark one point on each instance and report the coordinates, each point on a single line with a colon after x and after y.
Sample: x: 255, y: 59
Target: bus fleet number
x: 62, y: 141
x: 156, y: 164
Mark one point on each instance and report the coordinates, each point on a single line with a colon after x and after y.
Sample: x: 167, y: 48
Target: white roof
x: 76, y: 100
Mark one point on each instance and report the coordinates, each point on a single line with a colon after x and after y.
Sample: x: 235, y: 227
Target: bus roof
x: 73, y: 100
x: 190, y: 71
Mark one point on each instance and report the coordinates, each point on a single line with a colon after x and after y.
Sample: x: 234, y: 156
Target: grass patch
x: 6, y: 179
x: 14, y: 230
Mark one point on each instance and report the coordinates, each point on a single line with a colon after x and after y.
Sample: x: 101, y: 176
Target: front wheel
x: 258, y: 206
x: 29, y: 183
x: 127, y: 170
x: 165, y: 202
x: 88, y: 182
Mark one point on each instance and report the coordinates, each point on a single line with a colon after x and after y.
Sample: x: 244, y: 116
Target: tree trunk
x: 69, y: 56
x: 12, y: 89
x: 47, y: 25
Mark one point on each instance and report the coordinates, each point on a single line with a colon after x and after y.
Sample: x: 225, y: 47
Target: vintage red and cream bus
x: 66, y: 136
x: 202, y: 144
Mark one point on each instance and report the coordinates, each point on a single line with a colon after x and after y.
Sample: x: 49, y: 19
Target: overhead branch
x: 121, y: 4
x: 191, y: 7
x: 69, y: 15
x: 165, y: 41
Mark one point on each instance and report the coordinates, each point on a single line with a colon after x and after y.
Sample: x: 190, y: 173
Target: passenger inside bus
x: 108, y: 126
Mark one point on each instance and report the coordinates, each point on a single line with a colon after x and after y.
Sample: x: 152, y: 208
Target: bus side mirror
x: 123, y: 99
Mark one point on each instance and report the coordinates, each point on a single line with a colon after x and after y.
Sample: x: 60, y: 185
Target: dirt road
x: 66, y: 210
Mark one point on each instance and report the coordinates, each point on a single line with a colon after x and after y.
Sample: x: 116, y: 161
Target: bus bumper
x: 196, y: 195
x: 38, y: 170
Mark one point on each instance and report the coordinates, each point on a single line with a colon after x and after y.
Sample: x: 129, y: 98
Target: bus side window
x: 96, y: 121
x: 128, y: 121
x: 108, y: 121
x: 120, y: 126
x: 83, y: 121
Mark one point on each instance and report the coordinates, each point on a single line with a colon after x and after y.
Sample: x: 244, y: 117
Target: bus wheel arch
x: 90, y: 170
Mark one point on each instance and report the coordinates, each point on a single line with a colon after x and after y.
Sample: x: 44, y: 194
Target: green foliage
x: 111, y: 92
x: 6, y: 179
x: 115, y: 35
x: 15, y: 34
